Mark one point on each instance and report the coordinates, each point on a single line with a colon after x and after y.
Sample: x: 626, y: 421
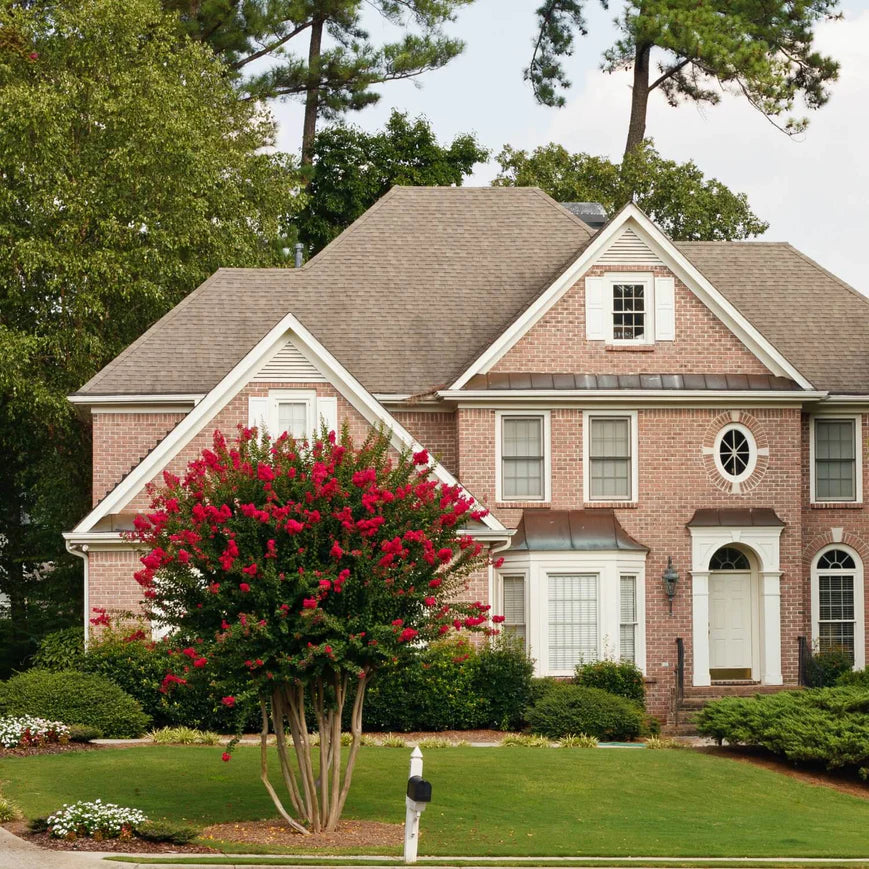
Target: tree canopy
x: 677, y: 196
x: 130, y: 171
x: 761, y: 49
x: 352, y: 169
x: 293, y: 571
x: 318, y: 50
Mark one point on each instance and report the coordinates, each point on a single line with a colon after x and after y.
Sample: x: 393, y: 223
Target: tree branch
x: 669, y: 73
x: 268, y: 49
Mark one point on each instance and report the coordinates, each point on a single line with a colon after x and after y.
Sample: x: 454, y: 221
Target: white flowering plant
x: 96, y: 819
x: 27, y: 731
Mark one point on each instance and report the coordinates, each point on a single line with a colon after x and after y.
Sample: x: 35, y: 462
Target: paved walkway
x: 15, y: 853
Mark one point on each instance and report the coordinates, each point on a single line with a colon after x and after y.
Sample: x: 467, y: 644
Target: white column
x: 700, y: 626
x: 771, y: 628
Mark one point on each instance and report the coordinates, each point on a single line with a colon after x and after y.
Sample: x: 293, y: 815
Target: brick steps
x: 695, y: 698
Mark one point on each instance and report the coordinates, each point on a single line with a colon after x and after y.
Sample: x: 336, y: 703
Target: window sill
x: 836, y: 505
x: 629, y: 348
x: 610, y: 505
x: 522, y: 505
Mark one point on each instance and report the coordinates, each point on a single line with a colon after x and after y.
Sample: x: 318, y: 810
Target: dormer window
x: 630, y: 309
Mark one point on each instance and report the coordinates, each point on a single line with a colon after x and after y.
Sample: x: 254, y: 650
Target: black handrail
x: 680, y: 669
x: 804, y: 660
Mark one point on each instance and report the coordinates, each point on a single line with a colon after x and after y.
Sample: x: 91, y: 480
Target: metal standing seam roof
x: 417, y: 288
x: 507, y: 381
x: 736, y: 516
x: 576, y: 530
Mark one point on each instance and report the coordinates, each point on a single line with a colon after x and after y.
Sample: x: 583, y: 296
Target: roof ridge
x: 170, y: 315
x: 555, y: 204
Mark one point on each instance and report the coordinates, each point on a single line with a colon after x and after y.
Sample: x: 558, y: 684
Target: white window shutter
x: 327, y: 411
x: 665, y: 309
x: 595, y: 309
x: 257, y: 412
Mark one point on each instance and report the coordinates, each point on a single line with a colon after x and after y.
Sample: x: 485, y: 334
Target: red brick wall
x: 557, y: 342
x: 437, y: 431
x: 121, y: 440
x: 110, y: 581
x: 674, y: 481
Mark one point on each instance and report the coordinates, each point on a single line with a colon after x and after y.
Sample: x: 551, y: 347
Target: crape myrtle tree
x: 295, y: 571
x: 762, y: 50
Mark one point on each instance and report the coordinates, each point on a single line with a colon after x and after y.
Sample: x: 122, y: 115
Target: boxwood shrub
x: 819, y: 725
x: 575, y: 709
x: 622, y: 678
x: 77, y: 698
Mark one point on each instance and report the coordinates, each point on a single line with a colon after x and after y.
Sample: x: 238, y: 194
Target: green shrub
x: 83, y: 698
x: 38, y: 825
x: 622, y: 678
x: 525, y: 740
x: 8, y: 810
x: 83, y: 733
x: 541, y: 686
x: 184, y: 736
x: 501, y: 677
x: 60, y: 650
x: 825, y: 668
x: 572, y: 709
x: 854, y: 677
x: 821, y: 725
x: 166, y: 831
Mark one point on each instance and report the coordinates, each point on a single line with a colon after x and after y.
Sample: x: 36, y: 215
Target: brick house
x: 619, y: 401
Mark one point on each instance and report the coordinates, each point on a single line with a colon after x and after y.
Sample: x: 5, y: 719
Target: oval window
x: 735, y: 453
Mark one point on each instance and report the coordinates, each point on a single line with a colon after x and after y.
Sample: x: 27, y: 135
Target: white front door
x: 730, y: 625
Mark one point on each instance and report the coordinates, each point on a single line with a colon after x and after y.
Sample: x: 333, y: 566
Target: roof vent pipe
x: 299, y: 250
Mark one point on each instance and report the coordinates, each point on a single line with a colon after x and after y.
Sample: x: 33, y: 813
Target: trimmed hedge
x: 622, y: 678
x: 819, y: 725
x: 854, y: 677
x: 824, y: 669
x: 79, y: 698
x: 568, y: 709
x: 452, y: 686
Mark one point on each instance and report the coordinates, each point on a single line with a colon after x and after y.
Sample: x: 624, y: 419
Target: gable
x: 558, y: 342
x: 586, y: 327
x: 289, y: 365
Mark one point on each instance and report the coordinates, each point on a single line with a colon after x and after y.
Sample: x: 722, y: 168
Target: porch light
x: 670, y: 578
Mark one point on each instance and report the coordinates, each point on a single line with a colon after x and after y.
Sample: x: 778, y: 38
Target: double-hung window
x: 513, y: 590
x: 836, y: 466
x: 523, y: 441
x: 573, y: 620
x: 299, y: 412
x: 837, y: 603
x: 610, y: 457
x: 293, y: 418
x: 628, y: 618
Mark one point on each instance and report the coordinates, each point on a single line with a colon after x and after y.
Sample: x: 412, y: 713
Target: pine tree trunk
x: 639, y: 98
x: 312, y: 94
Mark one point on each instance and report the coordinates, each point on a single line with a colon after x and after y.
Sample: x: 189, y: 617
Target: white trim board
x: 231, y: 384
x: 675, y: 260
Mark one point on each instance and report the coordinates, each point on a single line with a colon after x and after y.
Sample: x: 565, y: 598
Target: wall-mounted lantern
x: 670, y: 578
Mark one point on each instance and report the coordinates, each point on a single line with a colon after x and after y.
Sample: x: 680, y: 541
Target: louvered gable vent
x: 289, y: 365
x: 629, y: 249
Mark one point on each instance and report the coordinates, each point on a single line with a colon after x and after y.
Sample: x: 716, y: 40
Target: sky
x: 813, y: 190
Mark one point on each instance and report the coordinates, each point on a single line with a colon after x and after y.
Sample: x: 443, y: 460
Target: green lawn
x: 490, y: 801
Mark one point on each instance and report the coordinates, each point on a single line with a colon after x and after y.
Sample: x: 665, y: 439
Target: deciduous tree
x: 761, y: 49
x: 677, y: 196
x: 129, y: 171
x: 353, y: 169
x: 294, y: 571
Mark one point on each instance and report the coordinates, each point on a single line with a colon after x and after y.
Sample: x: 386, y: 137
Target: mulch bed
x: 51, y: 748
x: 844, y: 780
x: 350, y: 834
x: 125, y: 846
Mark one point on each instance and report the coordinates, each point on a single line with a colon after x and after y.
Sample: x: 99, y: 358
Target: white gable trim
x: 229, y: 386
x: 673, y: 258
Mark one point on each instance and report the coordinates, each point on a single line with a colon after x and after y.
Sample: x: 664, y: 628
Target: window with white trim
x: 610, y: 443
x: 837, y: 603
x: 293, y: 418
x: 735, y: 452
x: 300, y: 412
x: 513, y: 605
x: 632, y: 311
x: 573, y: 631
x: 522, y: 450
x: 628, y: 618
x: 836, y: 459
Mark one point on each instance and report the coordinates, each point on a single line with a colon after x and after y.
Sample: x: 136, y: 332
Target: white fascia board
x: 230, y: 385
x: 95, y: 540
x: 833, y: 398
x: 168, y: 398
x: 675, y: 260
x: 500, y: 397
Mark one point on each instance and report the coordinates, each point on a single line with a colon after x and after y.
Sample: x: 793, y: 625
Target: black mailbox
x: 418, y: 789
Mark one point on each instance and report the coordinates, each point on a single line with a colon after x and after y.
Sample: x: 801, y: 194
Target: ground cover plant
x: 27, y: 731
x: 293, y: 572
x: 94, y: 819
x: 489, y: 800
x: 823, y: 725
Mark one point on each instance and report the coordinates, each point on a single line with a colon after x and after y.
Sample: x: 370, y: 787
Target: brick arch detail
x: 707, y: 457
x: 825, y: 538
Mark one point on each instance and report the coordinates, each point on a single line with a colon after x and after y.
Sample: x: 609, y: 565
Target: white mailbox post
x: 416, y: 799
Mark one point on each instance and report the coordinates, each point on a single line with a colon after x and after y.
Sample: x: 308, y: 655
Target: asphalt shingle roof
x: 409, y: 295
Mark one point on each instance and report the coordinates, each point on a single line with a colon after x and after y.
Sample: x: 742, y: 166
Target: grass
x: 144, y: 859
x: 489, y: 802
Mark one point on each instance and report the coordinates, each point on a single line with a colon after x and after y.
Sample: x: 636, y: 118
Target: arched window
x: 837, y: 603
x: 729, y: 558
